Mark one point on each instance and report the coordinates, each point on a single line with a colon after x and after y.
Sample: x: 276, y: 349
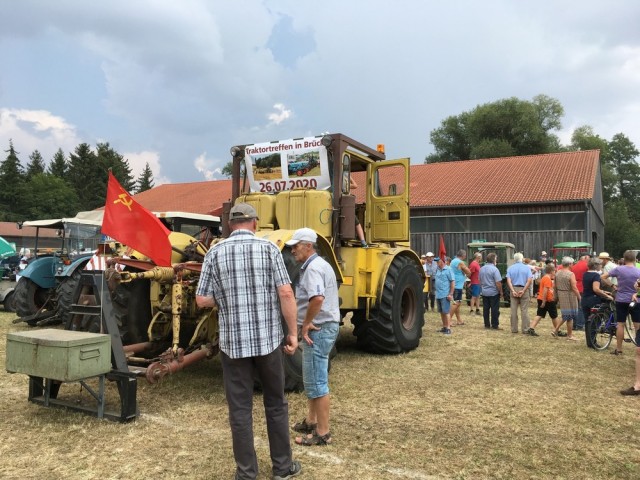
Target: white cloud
x: 207, y: 168
x: 280, y: 115
x: 36, y: 130
x: 138, y: 160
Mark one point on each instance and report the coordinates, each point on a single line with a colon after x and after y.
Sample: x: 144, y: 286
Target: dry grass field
x: 479, y: 404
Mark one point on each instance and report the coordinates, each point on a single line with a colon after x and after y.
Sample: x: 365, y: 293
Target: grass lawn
x: 478, y: 404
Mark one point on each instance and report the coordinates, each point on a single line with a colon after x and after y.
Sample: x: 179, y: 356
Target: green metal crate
x: 58, y: 354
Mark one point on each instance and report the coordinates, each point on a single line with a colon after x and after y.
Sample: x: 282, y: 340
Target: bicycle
x: 601, y: 327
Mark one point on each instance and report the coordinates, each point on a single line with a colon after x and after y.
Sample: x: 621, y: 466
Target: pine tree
x: 86, y: 177
x: 145, y: 180
x: 109, y: 159
x: 35, y: 165
x: 12, y: 180
x: 59, y: 166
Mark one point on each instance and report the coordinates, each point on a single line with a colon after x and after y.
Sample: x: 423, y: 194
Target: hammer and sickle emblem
x: 124, y: 199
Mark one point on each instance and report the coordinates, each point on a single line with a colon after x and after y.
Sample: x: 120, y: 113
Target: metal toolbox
x: 62, y: 355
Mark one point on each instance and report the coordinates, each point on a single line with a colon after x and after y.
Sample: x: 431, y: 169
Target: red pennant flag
x: 133, y: 225
x: 442, y: 252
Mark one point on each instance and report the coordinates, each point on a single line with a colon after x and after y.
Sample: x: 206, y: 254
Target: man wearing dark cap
x: 246, y: 278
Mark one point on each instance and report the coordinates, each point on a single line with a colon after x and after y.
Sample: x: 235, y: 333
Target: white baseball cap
x: 430, y: 254
x: 302, y: 235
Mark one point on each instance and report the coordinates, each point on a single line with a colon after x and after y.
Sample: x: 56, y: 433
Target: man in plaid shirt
x: 246, y: 278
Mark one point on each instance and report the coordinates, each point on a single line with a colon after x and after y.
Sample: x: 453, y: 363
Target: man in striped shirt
x: 246, y: 278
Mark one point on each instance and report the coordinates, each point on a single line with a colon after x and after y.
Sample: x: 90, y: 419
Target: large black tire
x: 396, y: 322
x: 29, y: 298
x: 9, y: 302
x: 132, y: 307
x: 65, y: 292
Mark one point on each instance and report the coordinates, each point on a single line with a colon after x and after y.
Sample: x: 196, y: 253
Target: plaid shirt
x: 242, y: 274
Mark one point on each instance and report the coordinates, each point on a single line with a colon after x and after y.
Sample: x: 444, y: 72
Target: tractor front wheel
x: 29, y: 298
x: 396, y: 322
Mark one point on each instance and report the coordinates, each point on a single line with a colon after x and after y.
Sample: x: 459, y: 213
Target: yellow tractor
x: 358, y: 204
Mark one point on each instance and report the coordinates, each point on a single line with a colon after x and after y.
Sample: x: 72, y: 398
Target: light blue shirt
x: 444, y: 278
x: 317, y: 278
x: 489, y: 275
x: 458, y: 273
x: 519, y: 273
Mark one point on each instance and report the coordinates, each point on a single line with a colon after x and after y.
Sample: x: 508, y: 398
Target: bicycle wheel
x: 630, y: 331
x: 600, y: 336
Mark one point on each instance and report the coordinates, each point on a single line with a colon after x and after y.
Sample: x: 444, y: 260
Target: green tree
x: 622, y: 160
x: 85, y: 176
x: 35, y: 165
x: 620, y: 232
x: 12, y: 191
x: 108, y: 158
x: 503, y: 128
x: 145, y: 180
x: 58, y: 166
x: 49, y: 197
x: 227, y: 170
x: 584, y: 138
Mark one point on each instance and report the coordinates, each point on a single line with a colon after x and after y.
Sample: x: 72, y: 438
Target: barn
x: 531, y: 201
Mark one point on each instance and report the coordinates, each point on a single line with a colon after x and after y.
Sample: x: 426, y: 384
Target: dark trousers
x: 238, y: 387
x: 491, y: 310
x: 430, y: 298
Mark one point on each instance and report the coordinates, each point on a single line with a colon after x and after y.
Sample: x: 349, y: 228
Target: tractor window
x: 390, y: 181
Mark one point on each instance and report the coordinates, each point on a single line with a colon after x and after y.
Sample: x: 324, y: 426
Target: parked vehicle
x: 504, y: 252
x: 7, y: 288
x: 45, y: 286
x: 570, y: 249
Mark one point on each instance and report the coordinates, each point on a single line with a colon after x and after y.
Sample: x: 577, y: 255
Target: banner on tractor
x: 134, y: 226
x: 288, y: 164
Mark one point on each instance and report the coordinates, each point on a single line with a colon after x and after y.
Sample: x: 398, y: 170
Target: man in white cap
x: 607, y: 266
x: 246, y: 278
x: 319, y: 322
x: 430, y: 268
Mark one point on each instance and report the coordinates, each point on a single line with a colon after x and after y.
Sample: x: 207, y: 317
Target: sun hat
x: 302, y: 235
x: 604, y: 256
x: 242, y: 211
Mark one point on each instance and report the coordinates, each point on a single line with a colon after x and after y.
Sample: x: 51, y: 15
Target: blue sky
x: 176, y: 84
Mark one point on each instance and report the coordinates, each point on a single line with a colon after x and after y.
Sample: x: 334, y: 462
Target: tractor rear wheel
x: 29, y: 298
x: 132, y: 307
x: 396, y: 322
x: 65, y: 292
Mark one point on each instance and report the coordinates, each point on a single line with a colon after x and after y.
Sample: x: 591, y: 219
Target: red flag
x: 133, y: 225
x: 442, y: 252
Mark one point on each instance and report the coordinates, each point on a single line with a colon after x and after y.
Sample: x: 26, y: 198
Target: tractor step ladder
x: 45, y: 391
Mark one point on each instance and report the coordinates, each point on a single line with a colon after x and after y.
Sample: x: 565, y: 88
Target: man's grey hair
x: 518, y: 257
x: 566, y: 261
x: 461, y: 253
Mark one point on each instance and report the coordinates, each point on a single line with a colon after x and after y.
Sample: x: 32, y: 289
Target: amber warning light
x: 380, y: 147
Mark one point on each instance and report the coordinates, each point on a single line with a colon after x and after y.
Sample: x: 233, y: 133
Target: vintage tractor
x: 160, y: 326
x: 381, y: 285
x: 43, y: 292
x: 504, y: 252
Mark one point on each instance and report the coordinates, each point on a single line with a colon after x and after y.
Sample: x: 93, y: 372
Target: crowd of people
x: 261, y: 318
x: 573, y: 287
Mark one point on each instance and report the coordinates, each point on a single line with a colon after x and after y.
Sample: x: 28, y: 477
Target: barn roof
x: 548, y: 178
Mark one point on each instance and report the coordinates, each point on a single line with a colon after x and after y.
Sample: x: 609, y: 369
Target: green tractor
x: 504, y: 252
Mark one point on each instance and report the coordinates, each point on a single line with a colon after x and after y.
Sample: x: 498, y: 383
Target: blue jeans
x: 315, y: 359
